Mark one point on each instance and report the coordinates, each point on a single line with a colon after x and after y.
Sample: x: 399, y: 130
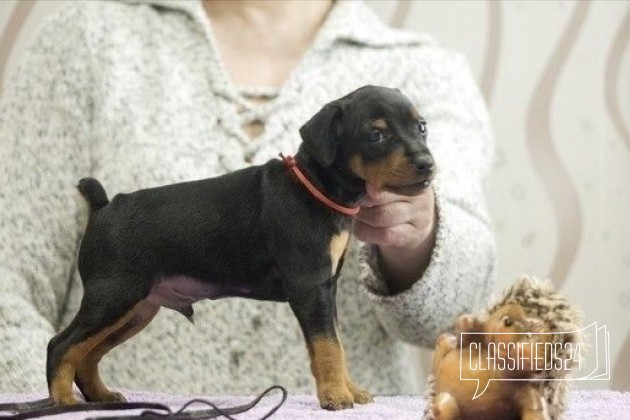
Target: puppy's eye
x: 507, y: 321
x: 422, y: 127
x: 376, y: 136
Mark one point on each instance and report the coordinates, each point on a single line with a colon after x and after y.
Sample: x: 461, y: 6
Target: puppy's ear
x: 320, y: 134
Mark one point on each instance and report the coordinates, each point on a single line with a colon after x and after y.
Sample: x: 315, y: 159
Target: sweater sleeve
x: 461, y: 271
x: 44, y: 115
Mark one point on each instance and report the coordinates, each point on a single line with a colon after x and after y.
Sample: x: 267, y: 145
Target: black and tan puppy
x: 257, y: 233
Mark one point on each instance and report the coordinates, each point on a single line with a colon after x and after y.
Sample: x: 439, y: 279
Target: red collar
x: 290, y: 162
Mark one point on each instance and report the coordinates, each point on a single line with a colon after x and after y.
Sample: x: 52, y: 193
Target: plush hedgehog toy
x: 517, y: 347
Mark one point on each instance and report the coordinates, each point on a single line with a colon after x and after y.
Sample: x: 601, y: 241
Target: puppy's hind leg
x: 87, y: 377
x: 104, y: 310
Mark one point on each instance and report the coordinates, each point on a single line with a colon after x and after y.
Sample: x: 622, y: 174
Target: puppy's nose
x: 424, y: 165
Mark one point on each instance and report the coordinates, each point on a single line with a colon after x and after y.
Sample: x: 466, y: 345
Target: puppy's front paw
x: 335, y: 397
x: 65, y: 400
x: 103, y: 395
x: 114, y: 397
x: 360, y: 396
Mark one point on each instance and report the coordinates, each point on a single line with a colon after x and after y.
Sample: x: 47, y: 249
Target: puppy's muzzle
x: 425, y: 166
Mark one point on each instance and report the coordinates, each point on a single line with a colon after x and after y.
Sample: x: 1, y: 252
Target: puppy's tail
x: 93, y: 192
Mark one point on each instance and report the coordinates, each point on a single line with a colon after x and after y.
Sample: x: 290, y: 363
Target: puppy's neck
x: 335, y: 183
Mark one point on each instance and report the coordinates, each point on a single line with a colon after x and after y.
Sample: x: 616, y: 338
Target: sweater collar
x: 349, y: 21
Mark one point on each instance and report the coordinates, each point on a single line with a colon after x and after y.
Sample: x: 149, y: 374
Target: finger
x: 387, y: 215
x: 399, y: 235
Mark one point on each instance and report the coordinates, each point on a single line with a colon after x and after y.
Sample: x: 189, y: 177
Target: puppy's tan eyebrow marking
x: 379, y: 123
x: 415, y: 114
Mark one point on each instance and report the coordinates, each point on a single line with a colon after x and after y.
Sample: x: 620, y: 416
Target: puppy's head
x: 376, y: 134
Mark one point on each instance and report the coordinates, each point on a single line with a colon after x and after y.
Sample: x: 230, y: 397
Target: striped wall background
x: 556, y: 76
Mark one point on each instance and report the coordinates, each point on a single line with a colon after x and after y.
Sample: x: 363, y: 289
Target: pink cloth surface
x: 599, y: 404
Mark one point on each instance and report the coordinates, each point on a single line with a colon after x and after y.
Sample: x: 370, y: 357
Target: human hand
x: 403, y: 227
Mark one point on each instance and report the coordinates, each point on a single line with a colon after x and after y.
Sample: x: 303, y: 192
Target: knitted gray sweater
x: 135, y: 94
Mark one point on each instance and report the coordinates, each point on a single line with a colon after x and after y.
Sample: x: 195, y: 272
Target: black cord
x: 40, y: 408
x: 216, y: 411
